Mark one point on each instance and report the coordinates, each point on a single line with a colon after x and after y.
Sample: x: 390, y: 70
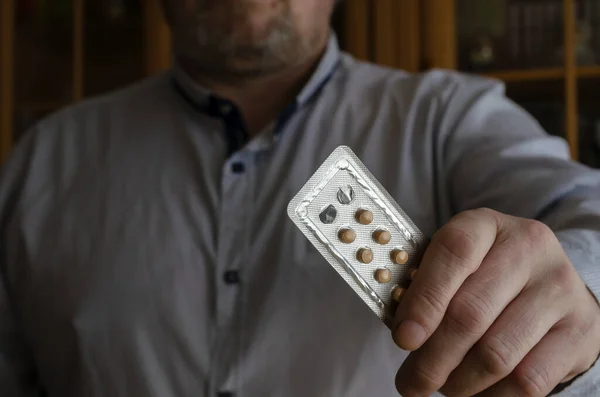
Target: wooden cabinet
x: 386, y: 32
x: 56, y: 52
x: 547, y: 52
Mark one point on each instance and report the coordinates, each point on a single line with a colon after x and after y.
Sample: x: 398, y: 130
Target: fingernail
x: 413, y: 273
x: 409, y: 335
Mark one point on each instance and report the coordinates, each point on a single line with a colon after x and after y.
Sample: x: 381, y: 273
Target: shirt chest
x: 169, y: 248
x: 190, y: 215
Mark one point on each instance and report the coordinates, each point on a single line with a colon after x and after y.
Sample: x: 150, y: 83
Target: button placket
x: 231, y: 251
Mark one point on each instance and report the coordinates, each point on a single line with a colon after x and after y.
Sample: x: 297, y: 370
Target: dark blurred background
x: 56, y: 52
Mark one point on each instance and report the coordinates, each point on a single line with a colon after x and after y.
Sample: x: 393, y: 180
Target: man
x: 146, y: 251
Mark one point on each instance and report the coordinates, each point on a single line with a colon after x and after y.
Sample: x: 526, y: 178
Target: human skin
x: 495, y: 308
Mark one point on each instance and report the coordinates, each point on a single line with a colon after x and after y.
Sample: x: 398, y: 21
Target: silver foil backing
x: 328, y: 203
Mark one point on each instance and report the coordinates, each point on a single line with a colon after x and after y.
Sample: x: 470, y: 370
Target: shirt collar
x: 200, y: 96
x: 324, y: 71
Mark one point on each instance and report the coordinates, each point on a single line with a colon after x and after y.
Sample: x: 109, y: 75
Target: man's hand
x: 495, y: 308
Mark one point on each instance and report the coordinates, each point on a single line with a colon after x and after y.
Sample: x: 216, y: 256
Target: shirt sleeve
x: 17, y: 370
x: 17, y: 377
x: 496, y: 155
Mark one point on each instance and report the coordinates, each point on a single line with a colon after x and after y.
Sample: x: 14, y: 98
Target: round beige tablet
x: 383, y: 275
x: 347, y: 236
x: 398, y: 293
x: 382, y: 236
x: 365, y: 255
x: 364, y: 217
x: 399, y: 257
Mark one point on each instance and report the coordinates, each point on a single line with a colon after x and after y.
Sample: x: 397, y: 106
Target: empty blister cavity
x: 345, y: 194
x: 328, y: 215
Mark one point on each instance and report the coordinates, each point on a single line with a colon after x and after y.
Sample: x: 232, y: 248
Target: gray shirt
x: 146, y: 249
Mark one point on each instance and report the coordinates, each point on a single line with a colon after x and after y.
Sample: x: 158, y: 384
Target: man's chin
x: 252, y: 68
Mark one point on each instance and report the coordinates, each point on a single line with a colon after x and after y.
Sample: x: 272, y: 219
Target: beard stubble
x: 223, y: 40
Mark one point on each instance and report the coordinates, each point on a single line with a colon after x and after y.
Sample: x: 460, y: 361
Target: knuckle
x: 457, y: 245
x: 497, y: 356
x: 537, y: 234
x: 430, y: 302
x: 533, y: 380
x: 561, y: 280
x: 427, y: 377
x: 469, y: 313
x: 579, y: 329
x: 484, y: 212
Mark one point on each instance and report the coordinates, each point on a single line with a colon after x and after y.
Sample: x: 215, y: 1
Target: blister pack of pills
x: 361, y: 231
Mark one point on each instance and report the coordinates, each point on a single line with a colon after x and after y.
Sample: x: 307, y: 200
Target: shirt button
x: 238, y: 168
x: 231, y: 277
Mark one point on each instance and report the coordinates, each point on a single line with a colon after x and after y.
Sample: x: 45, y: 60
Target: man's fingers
x: 455, y: 252
x: 526, y: 320
x: 474, y: 308
x: 541, y: 370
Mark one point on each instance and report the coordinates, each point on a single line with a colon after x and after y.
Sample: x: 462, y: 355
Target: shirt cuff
x: 583, y: 249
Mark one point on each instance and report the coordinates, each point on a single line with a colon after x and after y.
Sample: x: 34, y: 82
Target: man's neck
x: 260, y: 98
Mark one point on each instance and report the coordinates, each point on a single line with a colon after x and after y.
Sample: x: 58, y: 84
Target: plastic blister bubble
x: 331, y: 201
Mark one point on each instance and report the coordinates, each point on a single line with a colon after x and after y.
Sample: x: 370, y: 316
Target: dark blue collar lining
x: 236, y: 130
x: 291, y: 109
